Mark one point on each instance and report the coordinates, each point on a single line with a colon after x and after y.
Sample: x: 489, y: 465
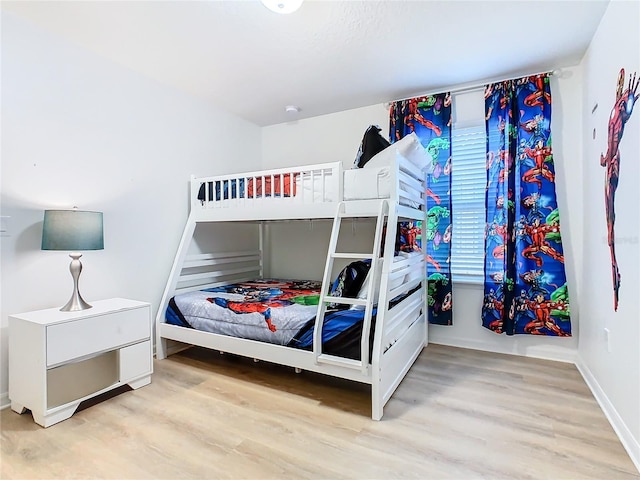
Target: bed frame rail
x: 210, y: 270
x: 308, y: 184
x: 412, y: 180
x: 197, y: 271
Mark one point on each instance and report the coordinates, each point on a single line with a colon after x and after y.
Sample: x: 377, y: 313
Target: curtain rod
x: 470, y: 88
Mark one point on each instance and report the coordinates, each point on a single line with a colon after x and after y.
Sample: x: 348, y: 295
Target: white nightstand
x: 58, y: 359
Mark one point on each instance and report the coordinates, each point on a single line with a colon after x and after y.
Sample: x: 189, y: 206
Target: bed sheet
x: 374, y: 179
x: 367, y: 183
x: 371, y: 183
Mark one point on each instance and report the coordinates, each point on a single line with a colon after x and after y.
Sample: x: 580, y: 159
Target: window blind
x: 468, y: 186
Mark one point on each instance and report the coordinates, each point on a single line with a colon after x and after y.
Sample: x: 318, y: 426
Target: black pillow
x: 372, y: 144
x: 349, y: 281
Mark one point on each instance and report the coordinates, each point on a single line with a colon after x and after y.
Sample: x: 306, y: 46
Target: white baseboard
x: 4, y: 400
x: 541, y: 352
x: 631, y: 444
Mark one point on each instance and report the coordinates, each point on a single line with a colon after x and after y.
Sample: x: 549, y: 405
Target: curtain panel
x: 430, y: 118
x: 525, y: 290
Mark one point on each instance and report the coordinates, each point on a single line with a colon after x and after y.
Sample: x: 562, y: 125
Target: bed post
x: 377, y: 395
x: 262, y: 240
x: 176, y: 268
x: 425, y: 279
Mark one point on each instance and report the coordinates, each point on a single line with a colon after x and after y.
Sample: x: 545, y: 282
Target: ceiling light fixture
x: 292, y: 109
x: 282, y: 6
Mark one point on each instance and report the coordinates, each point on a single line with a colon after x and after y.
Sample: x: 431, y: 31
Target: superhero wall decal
x: 620, y: 114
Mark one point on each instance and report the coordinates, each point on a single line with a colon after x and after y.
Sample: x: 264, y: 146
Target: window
x: 468, y: 186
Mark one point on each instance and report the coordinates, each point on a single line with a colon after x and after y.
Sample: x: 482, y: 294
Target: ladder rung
x: 344, y: 362
x: 345, y: 300
x: 353, y: 255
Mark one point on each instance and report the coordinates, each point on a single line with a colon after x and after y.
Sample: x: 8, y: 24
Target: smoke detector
x: 282, y: 6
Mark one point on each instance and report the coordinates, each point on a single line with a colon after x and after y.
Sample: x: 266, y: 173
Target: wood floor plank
x: 459, y: 414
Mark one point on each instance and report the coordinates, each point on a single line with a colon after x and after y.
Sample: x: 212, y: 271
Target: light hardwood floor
x: 459, y: 414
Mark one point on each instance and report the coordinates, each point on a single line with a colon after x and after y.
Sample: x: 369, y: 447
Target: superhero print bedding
x: 275, y: 311
x: 267, y: 310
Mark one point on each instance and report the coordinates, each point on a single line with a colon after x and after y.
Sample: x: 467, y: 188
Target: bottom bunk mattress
x: 269, y: 310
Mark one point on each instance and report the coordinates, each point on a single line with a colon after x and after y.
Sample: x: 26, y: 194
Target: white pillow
x: 409, y: 147
x: 383, y: 159
x: 362, y: 294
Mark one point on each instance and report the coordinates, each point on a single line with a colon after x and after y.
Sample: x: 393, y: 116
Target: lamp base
x: 76, y: 302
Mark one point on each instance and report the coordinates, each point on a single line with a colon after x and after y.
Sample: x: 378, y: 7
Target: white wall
x: 337, y: 137
x: 307, y: 244
x: 327, y: 138
x: 80, y: 130
x: 613, y: 371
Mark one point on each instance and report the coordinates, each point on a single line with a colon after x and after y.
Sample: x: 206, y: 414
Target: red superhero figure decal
x: 620, y: 114
x: 537, y: 232
x: 539, y: 154
x: 541, y: 309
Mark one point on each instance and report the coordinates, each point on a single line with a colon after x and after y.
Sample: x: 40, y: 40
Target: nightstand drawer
x: 71, y: 340
x: 135, y: 361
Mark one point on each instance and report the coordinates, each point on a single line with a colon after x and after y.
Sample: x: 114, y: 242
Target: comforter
x: 269, y: 310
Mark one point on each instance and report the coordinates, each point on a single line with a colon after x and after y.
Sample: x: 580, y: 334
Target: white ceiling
x: 328, y: 56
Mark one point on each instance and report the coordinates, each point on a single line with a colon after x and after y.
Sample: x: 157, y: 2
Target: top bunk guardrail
x: 306, y: 185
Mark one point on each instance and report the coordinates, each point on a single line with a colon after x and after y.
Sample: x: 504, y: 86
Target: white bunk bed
x: 395, y: 179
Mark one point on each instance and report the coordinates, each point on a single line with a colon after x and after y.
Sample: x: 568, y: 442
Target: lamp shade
x: 72, y: 230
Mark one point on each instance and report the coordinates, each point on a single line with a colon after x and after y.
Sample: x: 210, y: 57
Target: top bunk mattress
x: 375, y: 179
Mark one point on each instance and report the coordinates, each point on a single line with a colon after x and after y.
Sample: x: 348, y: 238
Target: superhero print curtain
x: 525, y: 290
x: 430, y: 118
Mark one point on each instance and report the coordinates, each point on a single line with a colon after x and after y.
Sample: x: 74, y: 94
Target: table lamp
x: 73, y: 230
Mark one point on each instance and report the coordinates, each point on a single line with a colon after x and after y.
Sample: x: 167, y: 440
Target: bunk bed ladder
x: 325, y: 298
